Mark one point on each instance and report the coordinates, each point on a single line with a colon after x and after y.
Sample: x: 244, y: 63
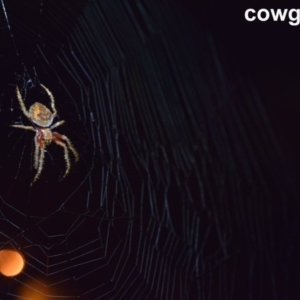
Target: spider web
x: 180, y: 174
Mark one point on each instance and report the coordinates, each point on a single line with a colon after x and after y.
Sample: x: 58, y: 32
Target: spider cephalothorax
x: 42, y: 118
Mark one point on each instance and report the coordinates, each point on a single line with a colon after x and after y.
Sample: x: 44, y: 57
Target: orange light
x: 36, y: 289
x: 11, y: 262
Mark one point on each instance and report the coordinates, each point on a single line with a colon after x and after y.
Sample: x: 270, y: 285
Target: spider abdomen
x: 40, y: 114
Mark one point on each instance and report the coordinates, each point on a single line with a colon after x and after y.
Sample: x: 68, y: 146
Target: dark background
x: 267, y: 52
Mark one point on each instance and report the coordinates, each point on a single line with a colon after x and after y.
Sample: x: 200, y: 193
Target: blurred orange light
x: 37, y: 289
x: 11, y: 262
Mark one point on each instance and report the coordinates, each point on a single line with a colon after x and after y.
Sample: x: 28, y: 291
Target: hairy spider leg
x: 39, y: 153
x: 21, y: 102
x: 51, y: 98
x: 36, y: 153
x: 58, y: 138
x: 57, y: 124
x: 71, y: 147
x: 23, y: 127
x: 40, y: 161
x: 66, y: 156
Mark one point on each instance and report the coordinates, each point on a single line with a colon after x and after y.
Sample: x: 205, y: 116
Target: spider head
x: 40, y: 115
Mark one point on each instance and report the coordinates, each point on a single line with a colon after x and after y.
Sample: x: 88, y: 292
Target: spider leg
x: 40, y: 163
x: 71, y: 147
x: 66, y: 156
x: 57, y: 124
x: 58, y: 136
x: 52, y: 100
x: 23, y: 127
x: 36, y: 153
x: 21, y: 102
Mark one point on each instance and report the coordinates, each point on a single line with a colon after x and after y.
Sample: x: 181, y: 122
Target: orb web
x: 173, y: 194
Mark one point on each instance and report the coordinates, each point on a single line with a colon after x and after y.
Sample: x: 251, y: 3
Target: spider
x: 42, y: 119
